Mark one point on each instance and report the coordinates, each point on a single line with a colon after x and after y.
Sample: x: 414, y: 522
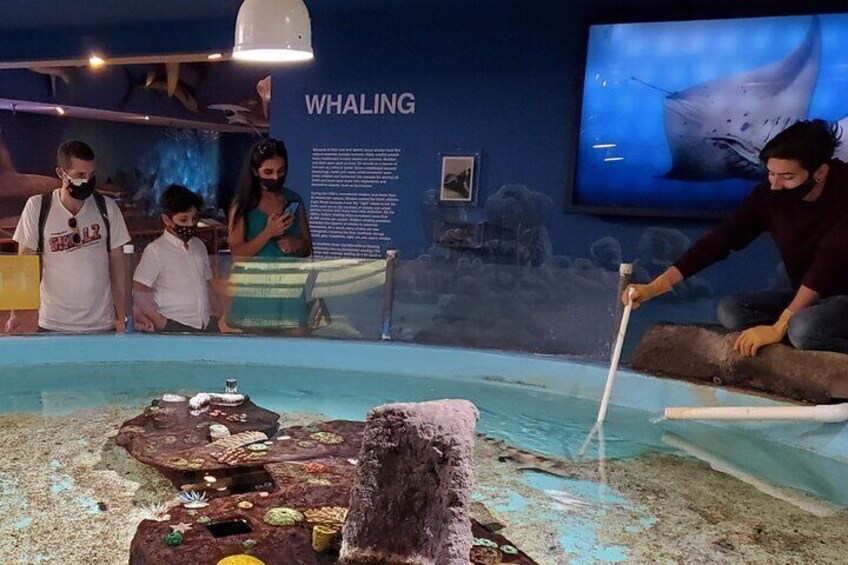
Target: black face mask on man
x: 796, y: 194
x: 80, y: 189
x: 273, y: 185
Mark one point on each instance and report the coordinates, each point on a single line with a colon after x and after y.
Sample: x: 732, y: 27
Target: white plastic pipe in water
x: 616, y: 356
x: 820, y: 413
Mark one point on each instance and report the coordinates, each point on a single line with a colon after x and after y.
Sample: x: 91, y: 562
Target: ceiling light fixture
x: 273, y: 31
x: 96, y: 62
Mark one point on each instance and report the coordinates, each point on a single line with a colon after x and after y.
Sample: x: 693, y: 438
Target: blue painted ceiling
x: 32, y: 14
x: 45, y: 30
x: 46, y: 14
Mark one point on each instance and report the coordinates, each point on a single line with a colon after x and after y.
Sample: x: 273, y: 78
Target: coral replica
x: 288, y: 500
x: 282, y: 517
x: 193, y: 499
x: 328, y: 516
x: 242, y: 559
x: 322, y: 537
x: 174, y: 538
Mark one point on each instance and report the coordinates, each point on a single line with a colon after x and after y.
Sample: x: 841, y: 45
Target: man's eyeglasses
x: 77, y: 238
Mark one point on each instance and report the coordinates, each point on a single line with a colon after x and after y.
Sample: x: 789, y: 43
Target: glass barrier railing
x: 339, y: 298
x: 336, y: 298
x: 539, y: 309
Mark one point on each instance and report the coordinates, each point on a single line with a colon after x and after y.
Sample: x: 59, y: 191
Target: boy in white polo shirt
x: 80, y: 234
x: 171, y: 283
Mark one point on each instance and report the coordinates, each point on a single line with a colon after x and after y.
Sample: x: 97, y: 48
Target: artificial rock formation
x: 294, y: 487
x: 268, y: 497
x: 706, y: 354
x: 411, y: 495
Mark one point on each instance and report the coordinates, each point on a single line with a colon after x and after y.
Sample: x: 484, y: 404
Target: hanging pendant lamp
x: 273, y: 31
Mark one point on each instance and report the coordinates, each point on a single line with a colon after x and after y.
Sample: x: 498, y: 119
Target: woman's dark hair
x: 810, y: 142
x: 248, y: 191
x: 177, y: 199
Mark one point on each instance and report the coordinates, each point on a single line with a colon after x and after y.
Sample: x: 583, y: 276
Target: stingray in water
x: 715, y: 130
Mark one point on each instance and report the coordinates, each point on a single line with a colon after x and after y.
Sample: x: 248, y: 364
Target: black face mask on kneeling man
x: 796, y: 194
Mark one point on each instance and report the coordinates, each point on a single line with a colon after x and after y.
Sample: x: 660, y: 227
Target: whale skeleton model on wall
x: 254, y: 113
x: 717, y: 129
x: 16, y: 188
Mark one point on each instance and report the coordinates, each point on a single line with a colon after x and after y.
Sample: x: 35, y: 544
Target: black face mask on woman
x: 80, y: 189
x: 273, y: 185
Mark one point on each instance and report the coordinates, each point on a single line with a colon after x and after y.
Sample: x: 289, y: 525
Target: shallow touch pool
x: 590, y: 511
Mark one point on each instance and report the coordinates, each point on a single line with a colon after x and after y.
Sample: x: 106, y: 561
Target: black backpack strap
x: 46, y: 201
x: 100, y: 200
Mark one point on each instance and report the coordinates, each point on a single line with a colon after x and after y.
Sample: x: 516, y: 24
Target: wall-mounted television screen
x: 674, y: 114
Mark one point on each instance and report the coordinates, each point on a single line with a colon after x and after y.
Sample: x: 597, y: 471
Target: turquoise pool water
x: 530, y: 417
x: 539, y: 405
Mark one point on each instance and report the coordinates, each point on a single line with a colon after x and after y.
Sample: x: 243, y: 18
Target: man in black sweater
x: 804, y: 207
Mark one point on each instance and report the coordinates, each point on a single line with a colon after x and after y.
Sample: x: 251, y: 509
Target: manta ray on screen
x: 716, y: 130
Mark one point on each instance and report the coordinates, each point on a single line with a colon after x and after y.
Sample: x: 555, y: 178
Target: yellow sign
x: 19, y: 282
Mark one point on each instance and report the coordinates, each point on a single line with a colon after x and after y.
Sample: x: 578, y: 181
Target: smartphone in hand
x: 292, y: 208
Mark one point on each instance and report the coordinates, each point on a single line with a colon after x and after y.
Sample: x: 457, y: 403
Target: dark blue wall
x: 501, y: 78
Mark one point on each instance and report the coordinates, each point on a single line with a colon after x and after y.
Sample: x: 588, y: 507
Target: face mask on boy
x: 185, y: 233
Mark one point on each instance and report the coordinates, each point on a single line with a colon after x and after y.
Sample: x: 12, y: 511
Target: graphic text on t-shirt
x: 65, y: 241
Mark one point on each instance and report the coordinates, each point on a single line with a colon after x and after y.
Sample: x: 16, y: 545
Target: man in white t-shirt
x: 171, y: 282
x: 80, y: 234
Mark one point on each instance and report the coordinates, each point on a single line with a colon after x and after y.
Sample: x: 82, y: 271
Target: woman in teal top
x: 268, y: 228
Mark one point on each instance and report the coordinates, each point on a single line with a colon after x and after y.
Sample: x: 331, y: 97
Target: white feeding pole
x: 616, y: 355
x: 833, y: 413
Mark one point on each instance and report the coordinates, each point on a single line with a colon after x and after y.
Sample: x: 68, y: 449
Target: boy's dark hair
x: 810, y: 142
x: 74, y: 149
x: 177, y: 199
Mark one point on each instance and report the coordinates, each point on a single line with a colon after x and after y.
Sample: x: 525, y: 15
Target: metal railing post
x: 129, y: 303
x: 388, y: 294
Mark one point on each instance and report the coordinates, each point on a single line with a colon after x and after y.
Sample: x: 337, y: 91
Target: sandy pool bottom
x: 70, y: 496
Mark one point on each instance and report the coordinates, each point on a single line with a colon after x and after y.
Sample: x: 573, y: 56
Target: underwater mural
x: 676, y: 123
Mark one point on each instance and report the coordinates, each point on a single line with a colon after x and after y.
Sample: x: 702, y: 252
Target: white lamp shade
x: 273, y: 31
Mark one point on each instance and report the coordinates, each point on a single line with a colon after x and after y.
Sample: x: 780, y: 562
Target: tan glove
x: 644, y: 292
x: 751, y: 340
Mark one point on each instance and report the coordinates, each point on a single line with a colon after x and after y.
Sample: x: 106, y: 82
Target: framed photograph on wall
x: 458, y: 179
